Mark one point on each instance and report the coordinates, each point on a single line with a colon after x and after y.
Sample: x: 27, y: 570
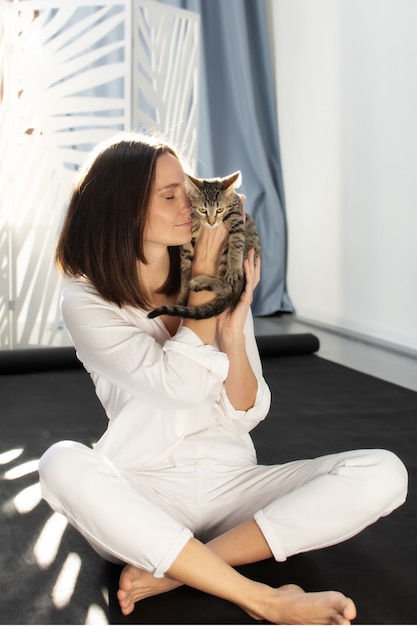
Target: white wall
x: 346, y: 76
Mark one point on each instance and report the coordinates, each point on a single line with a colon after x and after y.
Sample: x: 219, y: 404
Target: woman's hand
x: 230, y: 323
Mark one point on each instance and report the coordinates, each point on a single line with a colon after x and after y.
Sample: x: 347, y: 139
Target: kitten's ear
x: 234, y: 179
x: 191, y: 182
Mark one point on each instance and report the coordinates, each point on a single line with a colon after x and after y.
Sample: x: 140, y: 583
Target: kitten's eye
x: 203, y: 210
x: 220, y: 210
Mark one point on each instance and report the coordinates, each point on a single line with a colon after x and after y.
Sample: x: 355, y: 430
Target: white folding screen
x: 71, y: 75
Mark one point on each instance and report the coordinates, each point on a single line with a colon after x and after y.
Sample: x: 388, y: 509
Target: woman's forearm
x: 241, y: 385
x: 205, y: 329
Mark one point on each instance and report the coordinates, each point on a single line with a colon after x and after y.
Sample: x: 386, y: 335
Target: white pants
x: 146, y: 518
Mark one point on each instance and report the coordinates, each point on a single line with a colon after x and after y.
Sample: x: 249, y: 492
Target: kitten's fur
x: 214, y: 200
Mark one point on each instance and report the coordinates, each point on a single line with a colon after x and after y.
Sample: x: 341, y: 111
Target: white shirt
x: 164, y: 396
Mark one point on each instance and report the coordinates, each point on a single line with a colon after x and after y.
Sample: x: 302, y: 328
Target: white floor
x: 383, y: 363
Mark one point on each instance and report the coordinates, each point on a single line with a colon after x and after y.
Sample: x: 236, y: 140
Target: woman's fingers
x: 252, y: 266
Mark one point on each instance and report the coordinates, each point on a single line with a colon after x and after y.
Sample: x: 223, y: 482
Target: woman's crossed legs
x: 321, y: 502
x: 122, y: 519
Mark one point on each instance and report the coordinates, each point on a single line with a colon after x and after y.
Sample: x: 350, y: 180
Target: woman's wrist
x: 204, y: 269
x: 232, y: 343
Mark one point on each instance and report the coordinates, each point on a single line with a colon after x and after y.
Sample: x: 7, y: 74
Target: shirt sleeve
x: 183, y: 370
x: 186, y: 342
x: 245, y: 421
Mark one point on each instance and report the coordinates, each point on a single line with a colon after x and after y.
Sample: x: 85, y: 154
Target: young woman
x: 172, y: 489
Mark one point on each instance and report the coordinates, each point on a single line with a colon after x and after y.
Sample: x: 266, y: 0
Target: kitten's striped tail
x: 213, y: 308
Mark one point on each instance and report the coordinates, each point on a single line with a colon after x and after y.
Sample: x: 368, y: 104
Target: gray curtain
x: 238, y: 127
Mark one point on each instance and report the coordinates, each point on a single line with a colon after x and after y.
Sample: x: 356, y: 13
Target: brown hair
x: 102, y: 234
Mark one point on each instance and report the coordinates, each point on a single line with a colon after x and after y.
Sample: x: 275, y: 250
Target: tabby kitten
x: 214, y: 200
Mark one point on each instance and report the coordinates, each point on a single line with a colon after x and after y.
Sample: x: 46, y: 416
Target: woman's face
x: 169, y: 216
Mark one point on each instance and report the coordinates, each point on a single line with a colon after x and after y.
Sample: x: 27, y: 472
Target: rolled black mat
x: 25, y: 361
x: 49, y: 359
x: 286, y: 345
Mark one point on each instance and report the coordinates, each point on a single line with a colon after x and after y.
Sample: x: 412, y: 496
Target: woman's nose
x: 186, y: 202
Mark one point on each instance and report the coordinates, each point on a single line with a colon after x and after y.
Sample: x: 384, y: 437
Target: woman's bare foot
x: 136, y: 584
x: 289, y: 604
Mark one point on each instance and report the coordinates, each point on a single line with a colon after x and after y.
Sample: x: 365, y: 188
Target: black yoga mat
x: 286, y: 345
x: 318, y: 407
x: 24, y: 361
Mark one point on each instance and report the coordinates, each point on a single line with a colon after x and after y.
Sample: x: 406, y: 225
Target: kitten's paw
x: 182, y: 299
x: 202, y: 283
x: 235, y: 277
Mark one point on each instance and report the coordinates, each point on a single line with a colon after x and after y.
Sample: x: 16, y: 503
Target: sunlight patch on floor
x: 67, y: 579
x: 10, y: 455
x: 105, y: 594
x: 49, y: 540
x: 22, y: 470
x: 28, y: 499
x: 96, y: 615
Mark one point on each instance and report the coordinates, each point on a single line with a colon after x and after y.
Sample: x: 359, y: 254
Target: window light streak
x: 49, y: 540
x: 22, y: 470
x: 67, y: 579
x: 27, y: 499
x: 105, y: 594
x: 96, y: 615
x: 10, y: 455
x: 51, y: 68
